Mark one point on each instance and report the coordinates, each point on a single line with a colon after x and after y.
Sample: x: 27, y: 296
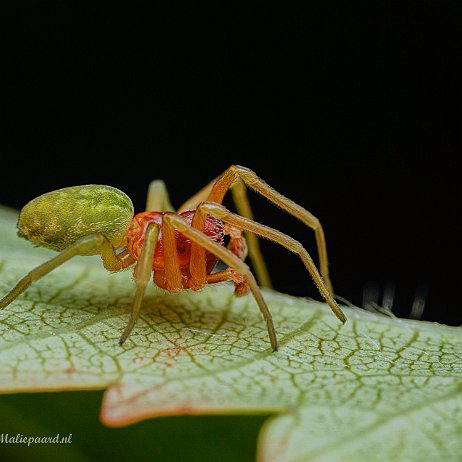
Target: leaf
x: 375, y: 388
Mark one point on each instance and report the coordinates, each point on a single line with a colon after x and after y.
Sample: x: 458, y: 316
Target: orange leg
x: 172, y: 269
x: 197, y: 262
x: 240, y: 284
x: 239, y: 193
x: 226, y: 256
x: 142, y: 275
x: 125, y: 259
x: 241, y: 201
x: 235, y: 172
x: 294, y: 246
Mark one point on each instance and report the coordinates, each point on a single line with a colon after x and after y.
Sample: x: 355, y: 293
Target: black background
x: 350, y: 110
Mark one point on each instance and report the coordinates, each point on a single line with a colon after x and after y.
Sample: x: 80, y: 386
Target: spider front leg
x: 87, y: 245
x: 226, y: 256
x: 250, y: 178
x: 241, y: 201
x: 294, y: 246
x: 142, y: 275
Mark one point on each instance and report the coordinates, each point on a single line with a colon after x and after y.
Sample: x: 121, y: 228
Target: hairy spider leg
x: 241, y: 201
x: 240, y: 284
x: 173, y: 277
x: 223, y: 214
x: 158, y: 199
x: 94, y: 243
x: 250, y: 178
x: 142, y: 275
x: 235, y: 263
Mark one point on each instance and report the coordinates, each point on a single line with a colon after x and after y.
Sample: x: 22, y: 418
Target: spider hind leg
x: 204, y: 243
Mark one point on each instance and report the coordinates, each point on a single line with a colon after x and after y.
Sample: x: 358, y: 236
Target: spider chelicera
x: 181, y: 248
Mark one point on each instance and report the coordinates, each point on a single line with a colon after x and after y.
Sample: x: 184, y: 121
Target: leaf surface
x: 375, y: 388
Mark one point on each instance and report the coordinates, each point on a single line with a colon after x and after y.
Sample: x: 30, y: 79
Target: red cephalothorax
x: 214, y: 229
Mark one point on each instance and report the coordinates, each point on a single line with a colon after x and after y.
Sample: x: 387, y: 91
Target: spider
x: 180, y: 248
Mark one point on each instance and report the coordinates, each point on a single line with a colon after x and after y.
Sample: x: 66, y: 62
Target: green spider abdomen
x: 59, y: 218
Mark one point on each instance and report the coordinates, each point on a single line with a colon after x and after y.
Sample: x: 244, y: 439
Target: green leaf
x: 375, y: 388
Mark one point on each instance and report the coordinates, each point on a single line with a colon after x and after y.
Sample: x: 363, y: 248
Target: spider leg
x: 142, y: 275
x: 226, y: 180
x: 158, y: 199
x: 197, y: 264
x: 240, y: 199
x: 199, y: 197
x: 173, y: 275
x: 88, y: 245
x: 239, y: 193
x: 240, y: 284
x: 225, y: 255
x: 294, y: 246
